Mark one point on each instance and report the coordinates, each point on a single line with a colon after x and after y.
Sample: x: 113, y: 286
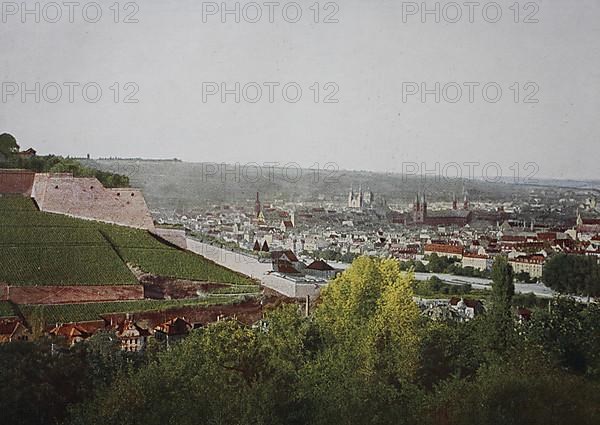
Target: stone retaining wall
x: 72, y: 294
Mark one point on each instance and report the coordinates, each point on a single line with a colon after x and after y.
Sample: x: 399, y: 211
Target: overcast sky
x: 370, y: 55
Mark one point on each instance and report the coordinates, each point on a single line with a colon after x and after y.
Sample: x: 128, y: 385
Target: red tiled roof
x: 8, y: 327
x: 176, y: 326
x: 275, y: 255
x: 530, y: 259
x: 469, y: 255
x: 450, y: 249
x: 286, y: 267
x: 320, y: 265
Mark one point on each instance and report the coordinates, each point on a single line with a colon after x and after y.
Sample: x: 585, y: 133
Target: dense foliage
x: 7, y: 309
x: 434, y: 286
x: 442, y: 264
x: 38, y: 383
x: 573, y: 274
x: 365, y: 355
x: 8, y: 146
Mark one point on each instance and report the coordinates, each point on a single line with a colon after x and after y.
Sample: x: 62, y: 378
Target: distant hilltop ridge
x: 80, y: 197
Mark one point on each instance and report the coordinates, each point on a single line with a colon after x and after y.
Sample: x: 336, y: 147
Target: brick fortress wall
x: 86, y: 198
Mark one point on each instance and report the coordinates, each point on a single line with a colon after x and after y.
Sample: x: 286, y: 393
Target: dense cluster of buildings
x: 526, y: 231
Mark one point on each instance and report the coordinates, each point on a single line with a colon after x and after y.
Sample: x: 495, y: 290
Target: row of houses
x: 132, y: 336
x: 532, y: 264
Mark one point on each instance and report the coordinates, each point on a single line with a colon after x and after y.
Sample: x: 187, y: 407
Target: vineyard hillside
x: 44, y: 249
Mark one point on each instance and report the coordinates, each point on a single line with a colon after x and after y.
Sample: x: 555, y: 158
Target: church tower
x: 360, y: 196
x: 417, y: 212
x: 257, y: 207
x: 465, y: 198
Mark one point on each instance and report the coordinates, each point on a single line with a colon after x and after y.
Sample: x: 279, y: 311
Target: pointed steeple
x: 257, y: 206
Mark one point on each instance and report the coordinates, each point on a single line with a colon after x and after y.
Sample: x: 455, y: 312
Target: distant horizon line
x: 399, y: 173
x: 507, y: 179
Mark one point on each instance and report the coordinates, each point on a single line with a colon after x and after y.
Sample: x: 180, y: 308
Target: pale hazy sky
x: 369, y: 54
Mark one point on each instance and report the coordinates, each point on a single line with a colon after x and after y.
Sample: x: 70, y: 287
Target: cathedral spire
x: 257, y: 207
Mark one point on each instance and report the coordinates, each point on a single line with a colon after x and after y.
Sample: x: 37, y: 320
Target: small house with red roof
x: 172, y: 330
x: 132, y: 336
x: 13, y: 330
x: 321, y: 269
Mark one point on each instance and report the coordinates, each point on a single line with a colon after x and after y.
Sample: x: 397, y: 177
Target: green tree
x: 573, y: 274
x: 37, y: 385
x: 449, y: 349
x: 565, y: 330
x: 364, y: 372
x: 500, y: 316
x: 8, y: 146
x: 526, y: 390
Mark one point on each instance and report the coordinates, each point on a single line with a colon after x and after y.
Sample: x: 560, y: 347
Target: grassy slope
x: 39, y: 248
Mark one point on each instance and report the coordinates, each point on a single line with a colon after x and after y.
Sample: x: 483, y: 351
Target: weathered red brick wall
x: 16, y: 182
x: 73, y: 294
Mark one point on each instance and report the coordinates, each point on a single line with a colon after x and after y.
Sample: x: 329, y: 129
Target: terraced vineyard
x: 38, y: 248
x: 181, y: 265
x: 67, y: 313
x: 16, y: 203
x: 63, y: 265
x: 124, y: 237
x: 45, y: 236
x: 37, y: 219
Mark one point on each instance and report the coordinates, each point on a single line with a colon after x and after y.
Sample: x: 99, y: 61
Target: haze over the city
x: 170, y: 54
